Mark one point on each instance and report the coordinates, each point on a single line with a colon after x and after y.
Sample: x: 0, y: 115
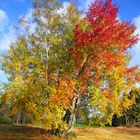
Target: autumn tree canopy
x: 69, y: 63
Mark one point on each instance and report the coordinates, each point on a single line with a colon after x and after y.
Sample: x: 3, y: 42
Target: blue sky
x: 11, y: 10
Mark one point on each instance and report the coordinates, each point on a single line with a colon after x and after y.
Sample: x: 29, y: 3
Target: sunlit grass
x: 107, y: 133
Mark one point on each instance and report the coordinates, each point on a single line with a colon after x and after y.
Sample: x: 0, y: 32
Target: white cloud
x: 136, y: 49
x: 28, y: 15
x: 88, y: 2
x: 6, y: 32
x: 137, y: 24
x: 83, y: 4
x: 7, y: 38
x: 10, y: 35
x: 29, y: 20
x: 63, y: 10
x: 3, y: 78
x: 3, y: 19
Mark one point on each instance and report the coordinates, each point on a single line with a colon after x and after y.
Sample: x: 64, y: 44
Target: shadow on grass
x: 13, y: 132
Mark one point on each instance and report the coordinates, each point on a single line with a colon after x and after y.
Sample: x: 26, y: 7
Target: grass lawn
x: 82, y: 133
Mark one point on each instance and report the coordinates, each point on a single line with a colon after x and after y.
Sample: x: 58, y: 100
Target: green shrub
x: 5, y: 119
x: 40, y: 123
x: 79, y: 123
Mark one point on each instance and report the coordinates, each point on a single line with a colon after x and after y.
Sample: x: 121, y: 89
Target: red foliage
x: 102, y: 39
x: 131, y: 70
x: 101, y: 42
x: 105, y: 28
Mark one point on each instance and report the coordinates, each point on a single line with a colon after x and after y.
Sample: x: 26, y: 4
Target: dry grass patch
x: 119, y: 133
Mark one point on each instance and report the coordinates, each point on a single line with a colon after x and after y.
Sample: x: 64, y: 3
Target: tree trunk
x: 71, y: 116
x: 14, y: 119
x: 18, y: 117
x: 23, y: 120
x: 126, y: 119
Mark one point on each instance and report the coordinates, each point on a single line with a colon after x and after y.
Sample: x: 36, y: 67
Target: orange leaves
x: 109, y: 59
x: 106, y: 93
x: 65, y: 92
x: 137, y: 78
